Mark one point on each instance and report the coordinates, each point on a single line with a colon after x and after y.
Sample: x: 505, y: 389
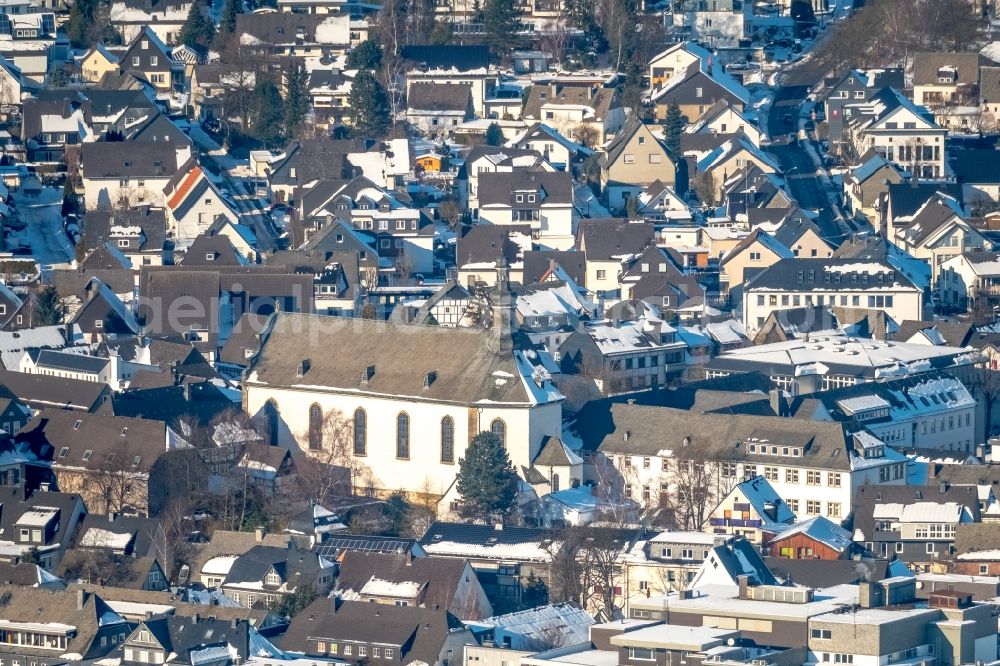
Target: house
x: 568, y: 107
x: 97, y: 62
x: 67, y: 364
x: 633, y: 161
x: 148, y: 58
x: 752, y: 255
x: 915, y: 523
x: 504, y: 559
x: 667, y: 561
x: 270, y: 469
x: 854, y: 87
x: 968, y: 277
x: 734, y: 564
x: 43, y: 391
x: 128, y: 536
x: 798, y: 282
x: 752, y: 510
x: 625, y: 356
x: 487, y: 160
x: 296, y: 35
x: 732, y: 157
x: 452, y: 63
x: 44, y: 522
x: 723, y: 24
x: 131, y: 18
x: 816, y: 538
x: 541, y: 200
x: 605, y: 243
x: 140, y: 234
x: 267, y: 574
x: 946, y: 79
x: 372, y: 386
x: 485, y: 251
x: 123, y: 174
x: 824, y: 462
x: 434, y: 109
x: 193, y: 202
x: 660, y: 203
x: 723, y: 118
x: 353, y: 631
x: 899, y: 130
x: 976, y: 170
x: 30, y: 45
x: 176, y: 639
x: 903, y: 200
x: 223, y: 294
x: 108, y: 460
x: 75, y: 621
x: 103, y: 315
x: 865, y: 184
x: 939, y: 232
x: 405, y: 580
x: 329, y: 96
x: 697, y: 88
x: 673, y: 62
x: 558, y: 150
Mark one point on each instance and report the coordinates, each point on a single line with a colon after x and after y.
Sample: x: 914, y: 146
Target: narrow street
x: 42, y: 216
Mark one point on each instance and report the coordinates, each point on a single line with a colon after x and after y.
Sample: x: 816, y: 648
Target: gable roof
x: 765, y: 239
x: 439, y: 97
x: 798, y: 274
x: 435, y: 580
x: 370, y: 355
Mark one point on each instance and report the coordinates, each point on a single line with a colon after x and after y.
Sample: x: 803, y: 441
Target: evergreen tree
x: 81, y: 26
x: 198, y: 30
x: 296, y: 98
x: 267, y: 112
x: 673, y: 128
x: 487, y: 482
x: 230, y: 10
x: 49, y: 308
x: 494, y: 135
x: 501, y: 23
x: 369, y: 106
x: 366, y: 55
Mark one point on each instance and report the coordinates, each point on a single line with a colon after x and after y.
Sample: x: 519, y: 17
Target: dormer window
x: 272, y: 578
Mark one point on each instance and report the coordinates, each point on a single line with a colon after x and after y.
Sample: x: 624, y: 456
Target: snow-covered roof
x: 95, y: 537
x: 219, y: 565
x: 821, y: 529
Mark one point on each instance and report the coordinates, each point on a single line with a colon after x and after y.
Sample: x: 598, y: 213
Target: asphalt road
x: 801, y: 176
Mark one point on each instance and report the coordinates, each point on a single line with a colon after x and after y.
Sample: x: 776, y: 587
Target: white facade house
x: 541, y: 200
x: 194, y: 203
x: 796, y: 282
x: 412, y: 397
x: 899, y: 130
x: 814, y: 466
x: 968, y: 276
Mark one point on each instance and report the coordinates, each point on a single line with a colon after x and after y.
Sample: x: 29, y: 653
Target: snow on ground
x: 43, y: 232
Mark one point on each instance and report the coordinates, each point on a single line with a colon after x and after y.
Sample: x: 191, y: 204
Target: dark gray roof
x: 446, y: 56
x: 337, y: 544
x: 486, y: 535
x: 537, y: 262
x: 69, y: 361
x: 801, y: 274
x: 977, y: 166
x: 827, y: 573
x: 128, y: 159
x: 488, y: 242
x: 605, y: 239
x: 720, y: 436
x: 552, y: 187
x: 152, y: 223
x: 41, y: 391
x: 439, y: 97
x: 905, y: 199
x: 867, y: 497
x: 294, y: 566
x: 419, y: 634
x: 439, y: 578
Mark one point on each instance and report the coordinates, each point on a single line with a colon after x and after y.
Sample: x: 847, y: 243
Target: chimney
x: 943, y: 487
x: 778, y: 403
x: 81, y: 596
x: 111, y: 516
x: 744, y: 584
x: 259, y: 534
x: 409, y: 557
x: 195, y: 618
x: 234, y: 623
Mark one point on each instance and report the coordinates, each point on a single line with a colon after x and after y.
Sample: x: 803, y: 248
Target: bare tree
x: 984, y: 384
x: 120, y: 483
x: 693, y: 489
x: 556, y: 39
x: 329, y: 466
x: 587, y: 569
x: 587, y: 135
